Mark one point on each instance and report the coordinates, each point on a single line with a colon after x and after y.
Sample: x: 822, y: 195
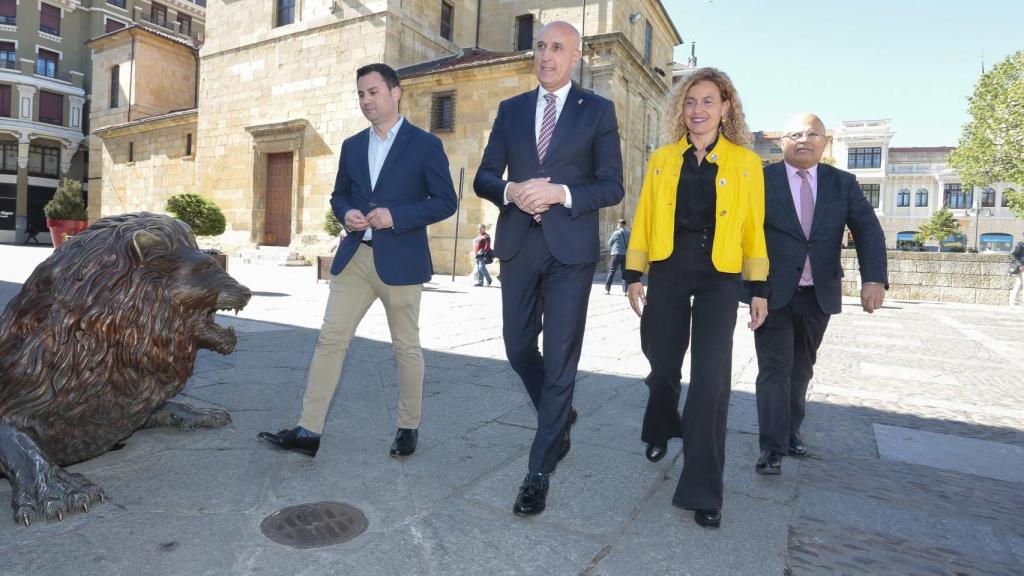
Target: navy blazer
x: 840, y: 204
x: 414, y: 184
x: 584, y: 154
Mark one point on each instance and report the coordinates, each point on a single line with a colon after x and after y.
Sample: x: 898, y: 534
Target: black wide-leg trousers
x: 683, y: 291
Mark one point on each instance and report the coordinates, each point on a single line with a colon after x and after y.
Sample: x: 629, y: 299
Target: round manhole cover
x: 314, y: 525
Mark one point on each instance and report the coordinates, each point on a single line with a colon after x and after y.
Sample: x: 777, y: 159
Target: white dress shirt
x: 560, y: 95
x: 376, y: 153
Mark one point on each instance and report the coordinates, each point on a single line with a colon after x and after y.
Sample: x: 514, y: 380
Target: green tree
x: 1015, y: 201
x: 331, y: 224
x: 205, y: 217
x: 991, y: 143
x: 940, y: 226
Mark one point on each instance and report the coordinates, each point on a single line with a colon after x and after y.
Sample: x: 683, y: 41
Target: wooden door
x: 278, y: 223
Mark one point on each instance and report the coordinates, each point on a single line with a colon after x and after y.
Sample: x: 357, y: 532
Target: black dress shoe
x: 563, y: 450
x: 796, y: 446
x: 405, y: 441
x: 769, y: 463
x: 291, y: 441
x: 656, y: 451
x: 532, y: 496
x: 710, y: 518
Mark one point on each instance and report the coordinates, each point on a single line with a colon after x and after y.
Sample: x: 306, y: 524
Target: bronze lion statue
x: 103, y: 333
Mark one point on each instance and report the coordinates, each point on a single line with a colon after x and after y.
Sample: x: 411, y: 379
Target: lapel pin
x: 714, y: 157
x: 722, y: 181
x: 580, y: 101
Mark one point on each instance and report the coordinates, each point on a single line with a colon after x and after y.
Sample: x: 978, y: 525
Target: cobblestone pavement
x: 914, y: 424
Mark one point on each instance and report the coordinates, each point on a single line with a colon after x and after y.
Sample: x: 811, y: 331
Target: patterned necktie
x: 547, y: 126
x: 806, y: 217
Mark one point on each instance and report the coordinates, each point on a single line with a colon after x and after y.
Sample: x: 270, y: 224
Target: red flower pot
x: 61, y: 229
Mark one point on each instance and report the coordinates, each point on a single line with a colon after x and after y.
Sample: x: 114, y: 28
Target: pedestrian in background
x: 617, y: 244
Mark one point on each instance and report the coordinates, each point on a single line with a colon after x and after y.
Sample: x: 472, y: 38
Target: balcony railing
x: 161, y: 22
x: 49, y: 30
x: 9, y: 20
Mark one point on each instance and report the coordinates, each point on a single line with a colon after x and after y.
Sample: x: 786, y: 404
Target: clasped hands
x: 758, y: 306
x: 378, y: 218
x: 536, y: 195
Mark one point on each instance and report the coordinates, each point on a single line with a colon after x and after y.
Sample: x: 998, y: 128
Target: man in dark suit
x: 392, y: 182
x: 560, y: 145
x: 808, y: 206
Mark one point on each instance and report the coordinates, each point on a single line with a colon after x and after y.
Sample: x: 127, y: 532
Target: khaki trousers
x: 353, y: 291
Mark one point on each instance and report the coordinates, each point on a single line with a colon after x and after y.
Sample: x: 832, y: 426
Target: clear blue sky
x: 914, y: 61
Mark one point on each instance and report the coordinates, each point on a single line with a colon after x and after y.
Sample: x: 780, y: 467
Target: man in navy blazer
x: 560, y: 146
x: 392, y: 182
x: 808, y: 206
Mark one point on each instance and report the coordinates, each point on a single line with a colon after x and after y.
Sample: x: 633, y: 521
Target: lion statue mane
x: 103, y: 333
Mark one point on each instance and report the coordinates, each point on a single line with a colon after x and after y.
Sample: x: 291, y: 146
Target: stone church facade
x: 275, y: 87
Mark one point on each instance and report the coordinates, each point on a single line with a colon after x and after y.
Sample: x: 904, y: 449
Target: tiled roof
x: 466, y: 58
x: 159, y: 33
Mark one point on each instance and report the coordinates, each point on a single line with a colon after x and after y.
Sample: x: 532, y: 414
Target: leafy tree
x: 991, y: 143
x: 331, y: 224
x: 940, y: 226
x: 1015, y: 201
x: 67, y: 203
x: 205, y: 217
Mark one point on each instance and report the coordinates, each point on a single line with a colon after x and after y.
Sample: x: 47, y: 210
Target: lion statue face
x: 107, y: 328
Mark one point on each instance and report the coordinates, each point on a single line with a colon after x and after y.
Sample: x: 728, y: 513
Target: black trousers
x: 616, y: 262
x: 665, y: 335
x: 539, y: 292
x: 787, y: 346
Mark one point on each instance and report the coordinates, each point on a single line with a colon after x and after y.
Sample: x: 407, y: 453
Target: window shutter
x: 49, y: 17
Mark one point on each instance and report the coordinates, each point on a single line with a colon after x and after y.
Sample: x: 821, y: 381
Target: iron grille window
x: 865, y: 158
x: 46, y: 63
x: 524, y: 32
x: 954, y: 196
x: 43, y: 160
x: 9, y: 158
x: 903, y: 198
x: 988, y: 198
x: 872, y: 192
x: 51, y: 107
x: 8, y: 55
x: 447, y: 20
x: 115, y: 86
x: 921, y: 198
x: 185, y: 24
x: 5, y: 101
x: 442, y: 112
x: 285, y: 12
x: 648, y: 39
x: 9, y: 12
x: 49, y: 19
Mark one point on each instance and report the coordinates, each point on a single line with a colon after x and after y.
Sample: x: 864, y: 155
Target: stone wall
x: 939, y: 277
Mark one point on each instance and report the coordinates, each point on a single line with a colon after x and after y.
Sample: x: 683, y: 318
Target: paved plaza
x: 915, y: 427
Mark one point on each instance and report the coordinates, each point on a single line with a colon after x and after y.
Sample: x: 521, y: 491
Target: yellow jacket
x: 739, y: 210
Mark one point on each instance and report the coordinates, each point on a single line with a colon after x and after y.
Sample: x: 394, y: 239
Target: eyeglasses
x: 794, y: 136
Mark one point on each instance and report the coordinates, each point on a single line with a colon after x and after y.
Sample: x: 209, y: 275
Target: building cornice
x: 59, y: 86
x: 169, y: 120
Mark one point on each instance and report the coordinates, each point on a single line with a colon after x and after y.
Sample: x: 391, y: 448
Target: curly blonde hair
x: 734, y: 124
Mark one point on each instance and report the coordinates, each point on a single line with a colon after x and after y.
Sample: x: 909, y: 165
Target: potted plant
x: 203, y: 216
x: 65, y: 212
x: 334, y: 228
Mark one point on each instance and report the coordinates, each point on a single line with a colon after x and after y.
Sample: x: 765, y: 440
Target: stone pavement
x: 914, y: 423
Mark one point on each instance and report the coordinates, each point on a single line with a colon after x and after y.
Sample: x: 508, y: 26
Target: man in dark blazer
x: 808, y: 207
x: 560, y: 145
x: 392, y: 182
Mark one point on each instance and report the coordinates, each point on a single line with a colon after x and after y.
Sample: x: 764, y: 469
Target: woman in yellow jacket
x: 697, y: 231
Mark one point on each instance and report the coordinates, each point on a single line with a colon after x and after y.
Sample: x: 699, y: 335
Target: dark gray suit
x: 787, y: 343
